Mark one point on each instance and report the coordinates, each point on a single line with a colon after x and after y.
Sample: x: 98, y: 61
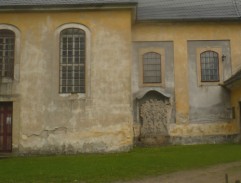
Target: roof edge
x: 234, y: 78
x: 59, y: 7
x: 188, y: 20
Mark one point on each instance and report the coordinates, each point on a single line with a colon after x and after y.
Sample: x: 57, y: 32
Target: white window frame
x: 71, y: 65
x: 16, y: 72
x: 141, y: 53
x: 87, y: 57
x: 218, y: 50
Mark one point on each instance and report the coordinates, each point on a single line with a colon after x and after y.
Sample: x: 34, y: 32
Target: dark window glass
x: 209, y: 66
x: 7, y: 45
x: 72, y: 61
x: 152, y: 68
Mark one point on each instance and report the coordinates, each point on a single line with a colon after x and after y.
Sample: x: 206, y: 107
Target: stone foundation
x: 209, y: 139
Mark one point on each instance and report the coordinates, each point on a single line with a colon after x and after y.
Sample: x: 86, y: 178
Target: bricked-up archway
x: 154, y: 109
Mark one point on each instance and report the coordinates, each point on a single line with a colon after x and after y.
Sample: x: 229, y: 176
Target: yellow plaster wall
x: 102, y: 122
x: 235, y: 102
x: 51, y: 123
x: 180, y: 33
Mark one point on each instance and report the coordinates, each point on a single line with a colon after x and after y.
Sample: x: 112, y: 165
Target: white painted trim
x: 88, y: 55
x: 17, y: 57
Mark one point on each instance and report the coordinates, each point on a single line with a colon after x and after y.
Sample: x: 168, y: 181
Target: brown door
x: 6, y: 109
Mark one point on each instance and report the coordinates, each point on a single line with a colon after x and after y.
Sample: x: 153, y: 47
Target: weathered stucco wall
x: 208, y: 102
x: 161, y: 95
x: 182, y: 33
x: 236, y: 104
x: 45, y: 121
x: 49, y: 122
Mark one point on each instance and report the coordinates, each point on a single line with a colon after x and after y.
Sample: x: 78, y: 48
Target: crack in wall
x: 46, y: 133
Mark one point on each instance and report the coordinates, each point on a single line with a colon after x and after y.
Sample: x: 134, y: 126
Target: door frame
x: 6, y: 110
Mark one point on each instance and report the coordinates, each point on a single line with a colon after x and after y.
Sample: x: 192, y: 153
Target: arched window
x: 7, y: 45
x: 72, y: 60
x: 152, y: 68
x: 209, y: 66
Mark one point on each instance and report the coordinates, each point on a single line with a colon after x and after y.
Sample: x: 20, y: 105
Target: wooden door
x: 6, y: 109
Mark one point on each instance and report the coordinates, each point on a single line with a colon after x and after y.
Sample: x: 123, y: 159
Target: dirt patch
x: 213, y: 174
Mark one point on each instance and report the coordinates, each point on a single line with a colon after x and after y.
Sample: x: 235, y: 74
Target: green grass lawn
x: 103, y: 168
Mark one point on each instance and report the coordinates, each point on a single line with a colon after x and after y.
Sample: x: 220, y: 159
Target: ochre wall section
x: 236, y: 103
x: 180, y: 33
x: 47, y: 122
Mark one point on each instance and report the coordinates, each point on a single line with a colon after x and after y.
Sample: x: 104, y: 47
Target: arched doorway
x: 154, y: 115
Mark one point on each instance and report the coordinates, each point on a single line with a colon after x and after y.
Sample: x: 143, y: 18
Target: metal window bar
x: 7, y: 45
x: 209, y: 66
x: 152, y: 68
x: 72, y: 61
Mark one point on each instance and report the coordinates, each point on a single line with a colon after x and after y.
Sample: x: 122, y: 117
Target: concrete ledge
x: 210, y: 139
x: 155, y: 140
x: 161, y: 140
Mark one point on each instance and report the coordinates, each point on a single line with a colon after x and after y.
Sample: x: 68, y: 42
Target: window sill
x: 73, y: 96
x: 152, y: 85
x: 6, y: 80
x: 210, y: 83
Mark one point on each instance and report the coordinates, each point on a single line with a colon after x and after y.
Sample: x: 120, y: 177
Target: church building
x: 83, y: 76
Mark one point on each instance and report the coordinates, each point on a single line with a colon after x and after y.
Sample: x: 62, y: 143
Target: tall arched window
x: 152, y: 68
x: 7, y: 45
x: 209, y: 66
x: 72, y: 60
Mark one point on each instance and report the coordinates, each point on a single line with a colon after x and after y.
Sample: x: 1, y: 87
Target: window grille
x: 152, y: 68
x: 209, y: 66
x: 7, y: 45
x: 72, y: 61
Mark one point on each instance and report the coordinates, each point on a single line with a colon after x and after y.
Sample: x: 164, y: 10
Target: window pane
x: 209, y: 66
x: 63, y: 89
x: 152, y: 68
x: 64, y: 82
x: 69, y: 89
x: 77, y: 90
x: 7, y: 42
x: 72, y: 61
